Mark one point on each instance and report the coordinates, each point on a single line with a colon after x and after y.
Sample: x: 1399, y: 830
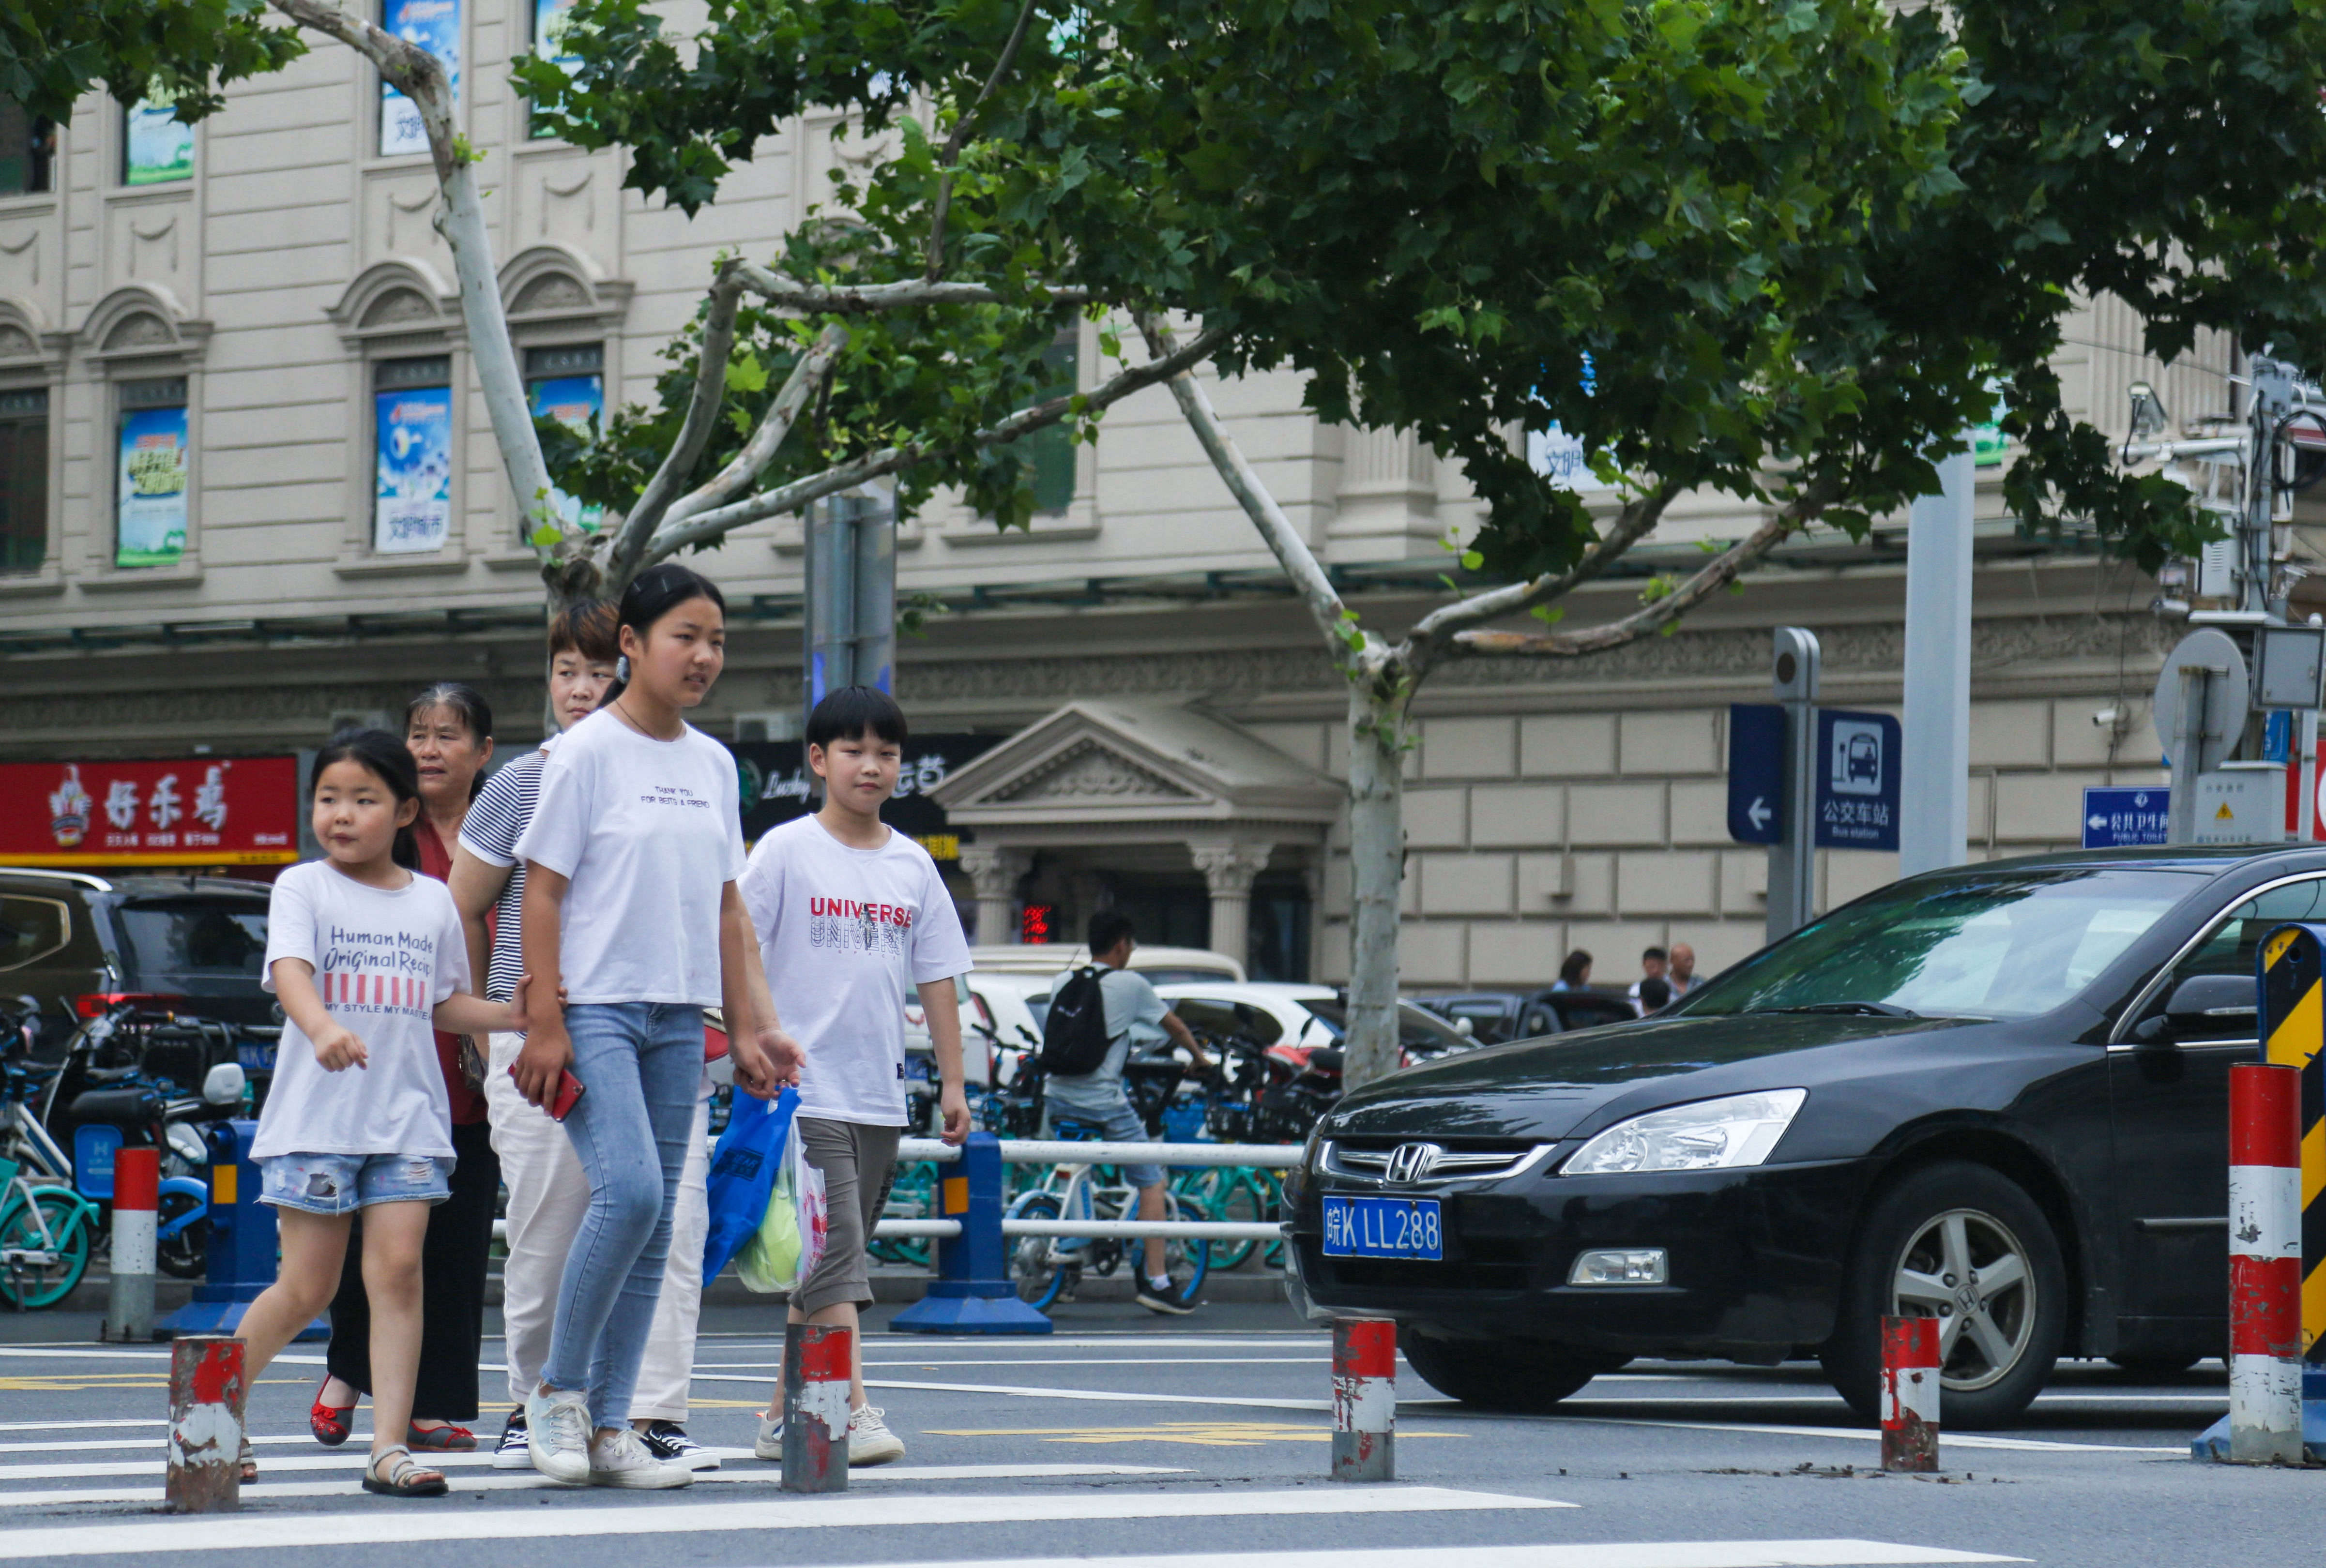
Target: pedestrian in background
x: 360, y: 1121
x: 548, y: 1191
x: 1574, y: 974
x: 853, y: 917
x: 631, y: 913
x: 1681, y: 970
x: 1651, y: 968
x: 448, y: 730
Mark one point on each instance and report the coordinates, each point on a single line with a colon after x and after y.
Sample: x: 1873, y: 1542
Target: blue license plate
x: 1383, y: 1228
x: 254, y: 1056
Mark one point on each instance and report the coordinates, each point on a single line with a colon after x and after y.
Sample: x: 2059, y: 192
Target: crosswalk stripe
x: 252, y: 1532
x: 525, y: 1481
x: 1950, y: 1440
x: 1819, y: 1554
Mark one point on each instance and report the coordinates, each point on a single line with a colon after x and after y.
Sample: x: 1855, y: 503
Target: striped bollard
x: 2265, y: 1264
x: 136, y: 1195
x: 815, y: 1407
x: 207, y: 1393
x: 1364, y: 1399
x: 1910, y: 1395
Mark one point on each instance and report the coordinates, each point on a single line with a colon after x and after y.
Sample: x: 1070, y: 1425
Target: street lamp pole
x: 1933, y: 826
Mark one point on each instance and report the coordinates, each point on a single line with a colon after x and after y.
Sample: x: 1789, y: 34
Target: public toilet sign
x: 2118, y: 816
x: 1856, y: 769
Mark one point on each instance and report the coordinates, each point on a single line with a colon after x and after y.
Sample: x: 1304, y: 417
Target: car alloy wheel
x: 1966, y: 1268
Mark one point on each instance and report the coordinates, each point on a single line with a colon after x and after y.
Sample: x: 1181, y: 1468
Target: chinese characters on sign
x: 2125, y: 815
x: 151, y: 487
x: 231, y: 810
x: 1857, y: 780
x: 411, y: 506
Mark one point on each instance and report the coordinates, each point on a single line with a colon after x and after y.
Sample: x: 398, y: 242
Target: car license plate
x: 254, y: 1056
x: 1383, y: 1228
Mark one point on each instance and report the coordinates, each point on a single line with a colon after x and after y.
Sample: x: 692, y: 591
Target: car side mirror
x: 2203, y: 1004
x: 223, y: 1084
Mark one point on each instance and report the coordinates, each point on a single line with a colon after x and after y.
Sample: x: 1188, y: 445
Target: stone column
x: 994, y: 871
x: 1228, y: 870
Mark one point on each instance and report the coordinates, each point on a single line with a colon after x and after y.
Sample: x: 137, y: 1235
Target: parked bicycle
x: 1049, y: 1268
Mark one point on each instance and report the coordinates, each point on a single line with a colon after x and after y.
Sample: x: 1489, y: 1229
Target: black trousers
x: 452, y: 1263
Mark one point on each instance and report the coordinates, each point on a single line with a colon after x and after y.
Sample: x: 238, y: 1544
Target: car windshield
x: 2009, y: 944
x: 190, y: 937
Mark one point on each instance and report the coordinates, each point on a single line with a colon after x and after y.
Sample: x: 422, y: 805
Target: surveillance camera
x: 2108, y: 718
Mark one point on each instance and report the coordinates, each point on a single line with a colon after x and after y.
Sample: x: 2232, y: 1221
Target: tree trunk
x: 1377, y: 864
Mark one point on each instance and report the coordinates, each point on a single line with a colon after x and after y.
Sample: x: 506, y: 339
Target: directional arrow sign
x: 2122, y: 815
x: 1756, y: 772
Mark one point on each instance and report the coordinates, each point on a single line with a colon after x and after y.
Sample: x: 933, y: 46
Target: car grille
x: 1369, y: 1158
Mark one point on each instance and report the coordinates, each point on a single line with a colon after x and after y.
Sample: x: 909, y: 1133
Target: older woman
x: 448, y: 729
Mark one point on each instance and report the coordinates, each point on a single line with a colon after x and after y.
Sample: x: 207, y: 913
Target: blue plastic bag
x: 742, y: 1173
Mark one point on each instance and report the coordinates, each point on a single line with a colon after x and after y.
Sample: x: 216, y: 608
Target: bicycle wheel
x: 913, y: 1195
x: 186, y: 1254
x: 1035, y: 1262
x: 1186, y: 1262
x: 1220, y: 1193
x: 29, y: 1287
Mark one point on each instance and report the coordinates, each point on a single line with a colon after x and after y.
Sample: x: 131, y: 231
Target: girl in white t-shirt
x: 369, y: 960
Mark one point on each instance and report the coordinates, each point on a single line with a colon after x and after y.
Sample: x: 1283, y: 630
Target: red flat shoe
x: 329, y: 1423
x: 446, y: 1439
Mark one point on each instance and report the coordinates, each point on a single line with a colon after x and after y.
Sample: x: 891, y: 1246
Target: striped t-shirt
x: 496, y: 820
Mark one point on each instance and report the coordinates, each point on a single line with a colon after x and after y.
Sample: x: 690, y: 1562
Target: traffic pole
x: 136, y: 1198
x: 816, y: 1359
x: 972, y: 1292
x: 1364, y: 1399
x: 2265, y: 1264
x: 206, y: 1395
x: 1910, y: 1395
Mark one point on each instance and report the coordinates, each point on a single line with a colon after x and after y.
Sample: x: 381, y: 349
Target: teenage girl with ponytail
x: 369, y: 960
x: 631, y: 913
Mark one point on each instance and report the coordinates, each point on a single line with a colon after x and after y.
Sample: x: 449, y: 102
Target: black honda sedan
x: 1997, y: 1096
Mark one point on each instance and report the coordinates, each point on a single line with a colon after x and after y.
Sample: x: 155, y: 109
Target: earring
x: 622, y: 669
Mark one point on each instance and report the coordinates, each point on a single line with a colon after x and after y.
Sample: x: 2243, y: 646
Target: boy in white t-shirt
x: 852, y: 918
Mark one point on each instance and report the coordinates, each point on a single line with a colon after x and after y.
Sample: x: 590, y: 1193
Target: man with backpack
x: 1098, y: 1014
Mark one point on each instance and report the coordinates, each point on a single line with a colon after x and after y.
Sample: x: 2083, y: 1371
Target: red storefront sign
x: 202, y: 811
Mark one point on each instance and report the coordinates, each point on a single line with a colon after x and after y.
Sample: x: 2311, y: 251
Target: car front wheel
x: 1518, y: 1376
x: 1963, y: 1244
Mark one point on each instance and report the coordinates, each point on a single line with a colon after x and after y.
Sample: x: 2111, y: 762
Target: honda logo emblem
x: 1411, y: 1163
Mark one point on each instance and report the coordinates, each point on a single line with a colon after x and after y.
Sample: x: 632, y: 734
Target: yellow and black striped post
x: 2294, y: 1034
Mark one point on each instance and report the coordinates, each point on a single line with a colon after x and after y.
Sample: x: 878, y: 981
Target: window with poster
x: 552, y: 21
x: 434, y: 25
x: 412, y: 443
x: 23, y: 478
x: 156, y: 147
x: 567, y: 384
x: 151, y: 455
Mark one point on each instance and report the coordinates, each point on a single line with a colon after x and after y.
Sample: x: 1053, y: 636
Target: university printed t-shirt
x: 496, y: 820
x: 647, y: 831
x: 383, y: 961
x: 845, y: 935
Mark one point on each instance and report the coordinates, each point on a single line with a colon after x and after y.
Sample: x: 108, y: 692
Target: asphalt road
x: 1201, y: 1441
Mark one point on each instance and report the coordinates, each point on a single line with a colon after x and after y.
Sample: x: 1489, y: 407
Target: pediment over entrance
x: 1144, y: 762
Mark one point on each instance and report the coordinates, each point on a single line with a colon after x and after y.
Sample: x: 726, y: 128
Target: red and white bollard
x: 1364, y: 1399
x: 206, y: 1395
x: 136, y: 1195
x: 2265, y: 1264
x: 1910, y: 1395
x: 816, y: 1359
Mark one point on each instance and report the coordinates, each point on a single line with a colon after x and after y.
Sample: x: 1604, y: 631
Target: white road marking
x: 1836, y: 1554
x: 525, y: 1481
x: 1946, y: 1439
x: 74, y: 1425
x: 251, y: 1532
x: 1106, y: 1395
x: 1049, y: 1361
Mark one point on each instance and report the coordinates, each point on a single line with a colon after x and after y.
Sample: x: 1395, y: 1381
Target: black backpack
x: 1074, y: 1040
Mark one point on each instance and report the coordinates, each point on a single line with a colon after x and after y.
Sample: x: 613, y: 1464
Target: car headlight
x: 1711, y: 1134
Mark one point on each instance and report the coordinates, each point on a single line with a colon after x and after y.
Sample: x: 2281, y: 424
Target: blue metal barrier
x: 243, y: 1249
x: 973, y: 1293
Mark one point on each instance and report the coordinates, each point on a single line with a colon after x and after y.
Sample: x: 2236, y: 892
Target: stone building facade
x: 271, y: 310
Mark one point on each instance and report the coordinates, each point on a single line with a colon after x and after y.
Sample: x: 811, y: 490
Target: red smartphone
x: 570, y: 1090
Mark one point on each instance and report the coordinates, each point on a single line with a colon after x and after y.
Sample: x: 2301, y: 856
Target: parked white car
x: 1299, y: 1016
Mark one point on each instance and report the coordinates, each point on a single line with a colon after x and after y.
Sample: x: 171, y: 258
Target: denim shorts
x: 343, y: 1184
x: 1118, y: 1123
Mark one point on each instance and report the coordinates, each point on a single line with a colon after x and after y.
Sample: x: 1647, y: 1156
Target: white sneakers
x: 869, y: 1440
x: 622, y: 1461
x: 557, y: 1440
x: 557, y: 1435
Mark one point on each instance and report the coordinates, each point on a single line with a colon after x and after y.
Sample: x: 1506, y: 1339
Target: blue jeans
x: 640, y: 1064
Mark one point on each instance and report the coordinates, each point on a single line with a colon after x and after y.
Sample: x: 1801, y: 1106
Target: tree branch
x: 960, y: 138
x: 701, y: 418
x: 1634, y: 523
x: 870, y: 299
x: 1648, y: 619
x: 460, y: 219
x: 706, y: 526
x: 807, y: 378
x: 1284, y: 540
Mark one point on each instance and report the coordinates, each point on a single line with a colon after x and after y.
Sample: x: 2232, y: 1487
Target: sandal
x: 445, y: 1439
x: 247, y: 1461
x: 330, y: 1423
x: 405, y: 1478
